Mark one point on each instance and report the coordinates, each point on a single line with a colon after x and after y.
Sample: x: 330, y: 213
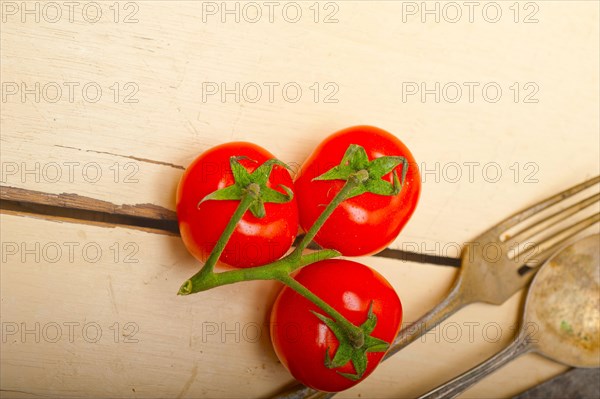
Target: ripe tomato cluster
x: 353, y: 195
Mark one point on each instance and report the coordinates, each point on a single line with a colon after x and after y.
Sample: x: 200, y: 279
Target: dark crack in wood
x: 71, y: 207
x: 124, y: 156
x: 76, y: 201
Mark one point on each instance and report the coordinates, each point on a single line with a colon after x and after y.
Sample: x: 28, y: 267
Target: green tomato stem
x: 241, y: 209
x: 207, y: 270
x: 206, y: 279
x: 272, y: 271
x: 281, y: 269
x: 354, y: 334
x: 342, y: 195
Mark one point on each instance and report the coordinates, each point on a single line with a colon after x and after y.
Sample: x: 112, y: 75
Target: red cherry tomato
x: 255, y: 241
x: 367, y: 223
x: 301, y: 339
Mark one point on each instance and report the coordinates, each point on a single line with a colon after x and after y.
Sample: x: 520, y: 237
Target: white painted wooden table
x: 104, y: 104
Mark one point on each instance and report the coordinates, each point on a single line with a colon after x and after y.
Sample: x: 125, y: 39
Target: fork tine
x: 559, y: 215
x: 571, y: 230
x: 519, y: 217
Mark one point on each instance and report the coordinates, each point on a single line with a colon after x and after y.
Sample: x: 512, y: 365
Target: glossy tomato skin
x: 300, y: 339
x: 255, y: 241
x: 365, y: 224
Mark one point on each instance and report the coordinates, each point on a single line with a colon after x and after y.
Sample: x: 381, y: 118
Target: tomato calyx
x: 252, y: 184
x: 353, y: 347
x: 367, y: 175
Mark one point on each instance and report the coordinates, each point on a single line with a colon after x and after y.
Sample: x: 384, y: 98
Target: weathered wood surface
x: 110, y: 325
x: 126, y: 152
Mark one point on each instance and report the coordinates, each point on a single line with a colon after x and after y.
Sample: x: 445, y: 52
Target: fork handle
x: 454, y: 301
x: 459, y: 384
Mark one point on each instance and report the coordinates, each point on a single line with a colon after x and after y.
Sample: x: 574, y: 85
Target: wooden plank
x: 25, y: 212
x: 205, y: 345
x: 371, y: 55
x: 77, y: 202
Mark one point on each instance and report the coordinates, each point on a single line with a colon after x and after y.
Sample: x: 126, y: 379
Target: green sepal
x: 240, y: 174
x: 355, y: 163
x: 373, y: 344
x: 243, y: 185
x: 262, y: 173
x: 360, y: 366
x: 356, y: 157
x: 233, y: 192
x: 258, y: 208
x: 270, y: 195
x: 369, y: 325
x: 346, y: 352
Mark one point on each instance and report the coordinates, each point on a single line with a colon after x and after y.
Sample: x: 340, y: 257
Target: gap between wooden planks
x: 145, y: 216
x: 215, y: 344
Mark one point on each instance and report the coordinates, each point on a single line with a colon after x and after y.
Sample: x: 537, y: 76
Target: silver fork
x: 482, y: 280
